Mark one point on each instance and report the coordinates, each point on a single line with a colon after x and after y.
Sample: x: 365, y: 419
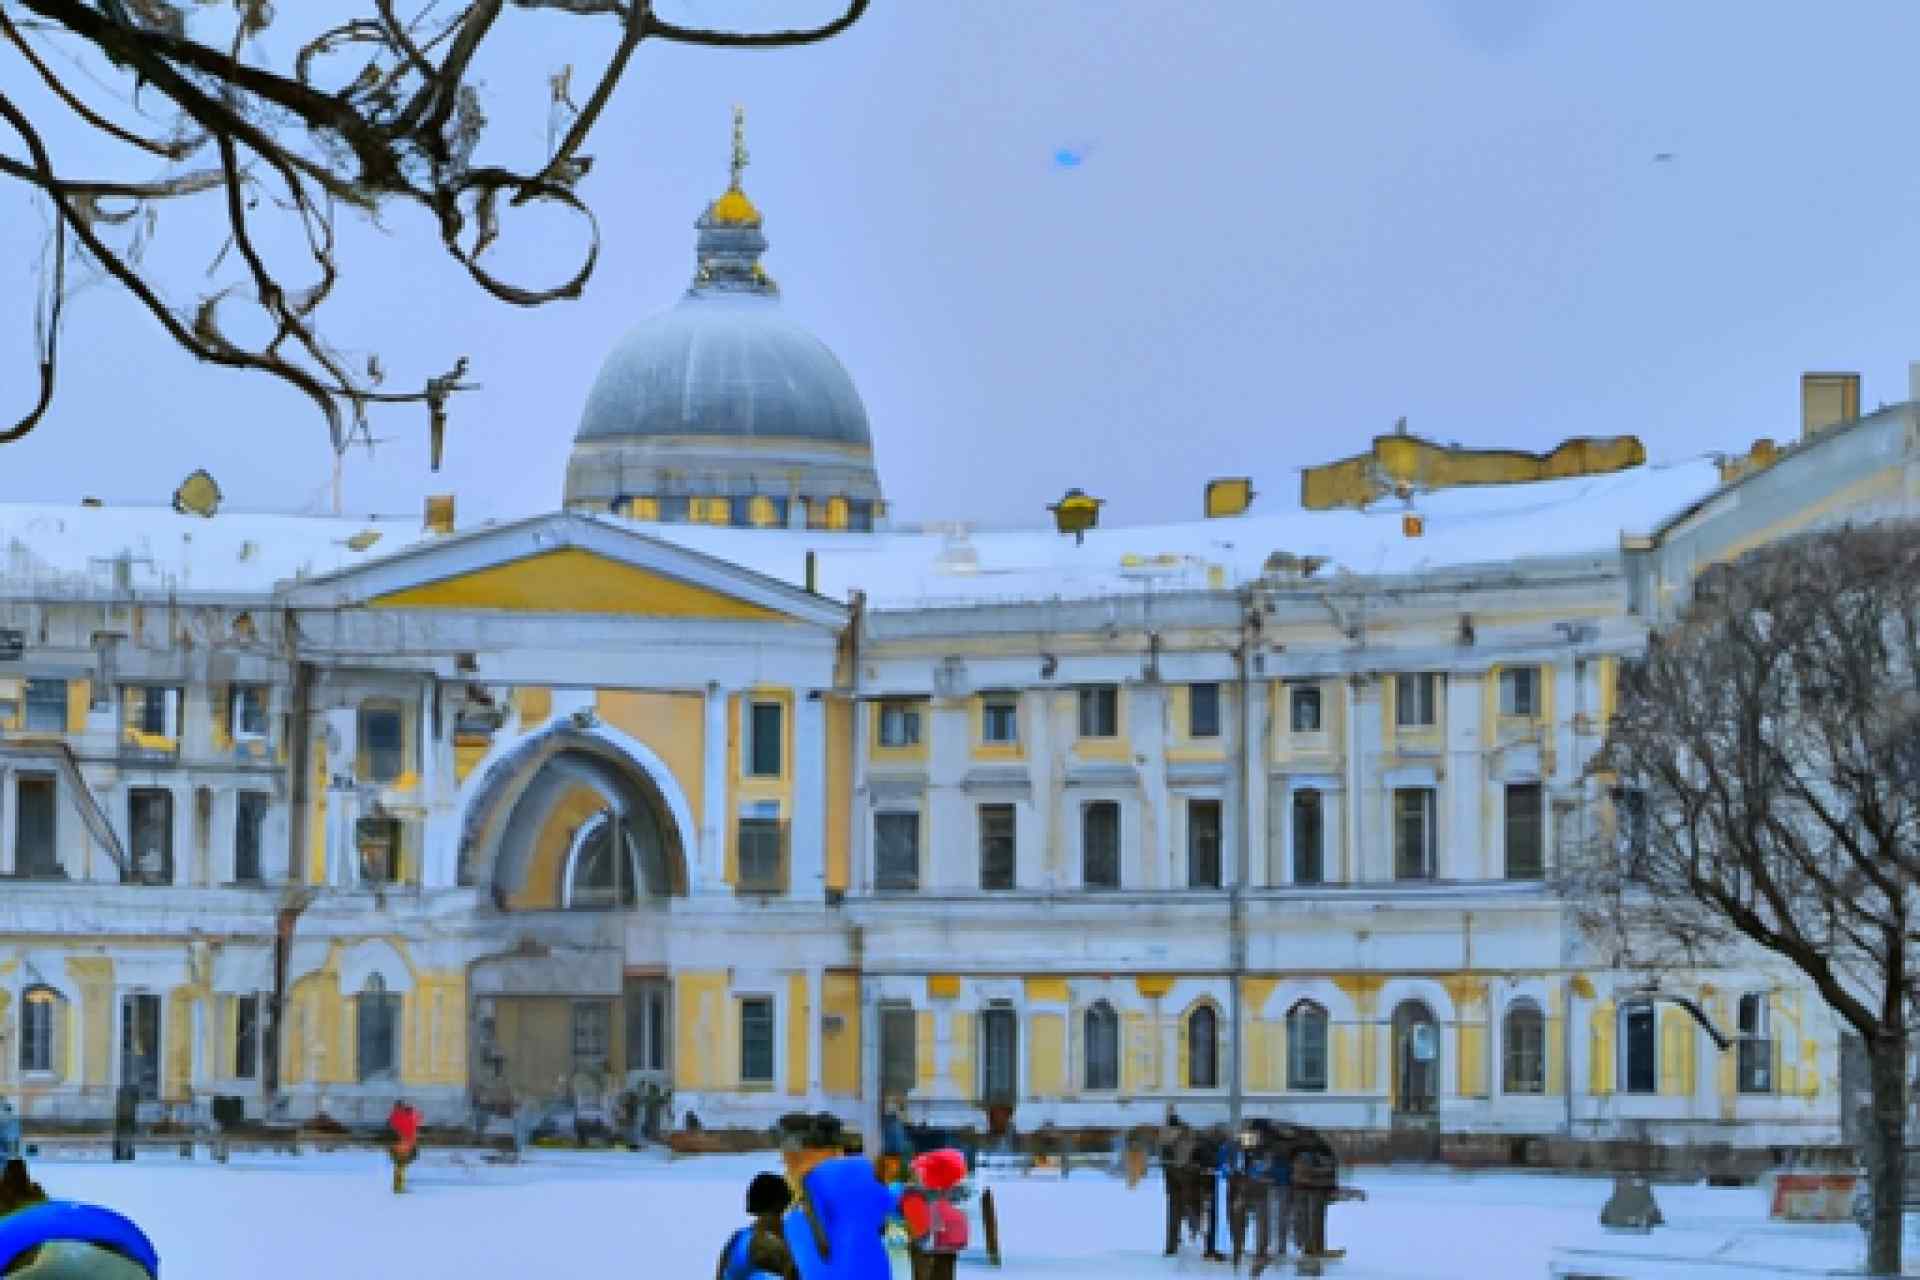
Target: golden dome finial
x: 733, y: 208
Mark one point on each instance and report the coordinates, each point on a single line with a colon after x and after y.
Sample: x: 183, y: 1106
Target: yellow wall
x: 1676, y: 1051
x: 1047, y: 1055
x: 914, y: 753
x: 574, y: 581
x: 93, y: 976
x: 316, y: 834
x: 960, y: 1063
x: 979, y: 747
x: 1600, y: 1050
x: 548, y: 864
x: 534, y: 704
x: 839, y: 837
x: 706, y: 1053
x: 1470, y: 1035
x: 799, y: 1018
x: 1118, y: 747
x: 673, y: 725
x: 840, y: 1050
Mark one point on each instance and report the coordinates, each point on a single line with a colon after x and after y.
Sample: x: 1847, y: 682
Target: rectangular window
x: 1416, y: 698
x: 1203, y: 711
x: 1309, y: 836
x: 896, y: 851
x: 1520, y: 691
x: 899, y: 724
x: 1303, y: 708
x: 150, y: 822
x: 756, y: 1040
x: 153, y: 710
x: 383, y: 742
x: 1000, y: 719
x: 1413, y: 834
x: 1756, y: 1045
x: 46, y: 706
x: 39, y: 1020
x: 140, y: 1044
x: 760, y: 854
x: 247, y: 712
x: 996, y: 846
x: 1100, y: 845
x: 1100, y: 711
x: 378, y: 840
x: 1639, y: 1048
x: 1307, y: 1049
x: 246, y: 1037
x: 1203, y: 844
x: 250, y: 820
x: 592, y: 1034
x: 1525, y: 832
x: 647, y: 1028
x: 898, y: 1033
x: 1525, y: 1068
x: 999, y: 1063
x: 765, y: 747
x: 34, y: 851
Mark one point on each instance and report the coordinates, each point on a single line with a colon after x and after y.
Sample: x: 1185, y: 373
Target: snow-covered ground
x: 591, y: 1214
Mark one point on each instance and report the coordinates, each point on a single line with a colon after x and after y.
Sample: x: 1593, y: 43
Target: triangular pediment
x: 566, y: 564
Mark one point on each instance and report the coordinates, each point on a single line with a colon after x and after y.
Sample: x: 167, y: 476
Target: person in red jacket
x: 404, y: 1120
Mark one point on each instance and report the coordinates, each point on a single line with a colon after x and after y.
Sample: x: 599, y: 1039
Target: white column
x: 1363, y: 755
x: 807, y: 824
x: 711, y: 857
x: 1464, y: 851
x: 1253, y: 777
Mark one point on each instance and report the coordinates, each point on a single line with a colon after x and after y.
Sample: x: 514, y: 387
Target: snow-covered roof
x: 74, y: 550
x: 1584, y: 515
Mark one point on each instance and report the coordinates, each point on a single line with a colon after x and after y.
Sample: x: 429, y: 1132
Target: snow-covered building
x: 714, y: 780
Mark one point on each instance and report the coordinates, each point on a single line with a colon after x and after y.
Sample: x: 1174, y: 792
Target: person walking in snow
x: 404, y: 1120
x: 759, y: 1251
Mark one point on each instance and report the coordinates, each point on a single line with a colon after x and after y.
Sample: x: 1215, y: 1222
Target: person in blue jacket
x: 836, y: 1229
x: 43, y: 1239
x: 759, y: 1251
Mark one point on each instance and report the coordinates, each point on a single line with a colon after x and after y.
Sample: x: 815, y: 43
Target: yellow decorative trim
x: 574, y: 581
x: 944, y: 986
x: 1154, y: 986
x: 1053, y: 990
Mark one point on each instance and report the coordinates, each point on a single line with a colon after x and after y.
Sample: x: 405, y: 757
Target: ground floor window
x: 40, y: 1018
x: 1639, y: 1048
x: 999, y: 1061
x: 1203, y: 1048
x: 899, y: 1029
x: 1307, y: 1047
x: 1525, y: 1056
x: 377, y: 1029
x: 1102, y: 1046
x: 756, y: 1040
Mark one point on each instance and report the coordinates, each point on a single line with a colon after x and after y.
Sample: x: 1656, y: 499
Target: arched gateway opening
x: 575, y: 830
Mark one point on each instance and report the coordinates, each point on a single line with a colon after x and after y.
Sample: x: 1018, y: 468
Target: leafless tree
x: 1769, y: 797
x: 372, y: 108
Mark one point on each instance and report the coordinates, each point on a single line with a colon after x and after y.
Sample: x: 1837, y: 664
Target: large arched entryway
x: 576, y: 832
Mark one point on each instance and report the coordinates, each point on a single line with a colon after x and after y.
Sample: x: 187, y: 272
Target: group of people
x: 840, y: 1217
x: 1276, y: 1178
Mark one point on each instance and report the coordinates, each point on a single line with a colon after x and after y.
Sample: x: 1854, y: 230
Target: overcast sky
x: 1290, y: 225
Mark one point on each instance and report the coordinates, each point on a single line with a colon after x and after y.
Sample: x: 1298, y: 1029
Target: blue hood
x: 853, y: 1207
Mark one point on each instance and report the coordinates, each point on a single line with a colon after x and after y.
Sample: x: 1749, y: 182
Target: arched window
x: 1524, y: 1038
x: 378, y: 1039
x: 1307, y: 1047
x: 1103, y: 1046
x: 42, y: 1018
x: 1203, y: 1048
x: 603, y: 864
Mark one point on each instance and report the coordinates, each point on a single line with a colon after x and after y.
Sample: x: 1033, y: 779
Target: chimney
x: 439, y: 514
x: 1827, y: 400
x: 1913, y: 380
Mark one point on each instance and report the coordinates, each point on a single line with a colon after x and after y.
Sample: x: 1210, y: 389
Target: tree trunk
x: 1886, y: 1153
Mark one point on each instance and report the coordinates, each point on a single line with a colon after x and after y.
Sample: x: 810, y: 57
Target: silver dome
x: 724, y: 365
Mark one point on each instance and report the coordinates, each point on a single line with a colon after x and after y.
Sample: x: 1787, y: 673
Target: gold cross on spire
x: 739, y: 144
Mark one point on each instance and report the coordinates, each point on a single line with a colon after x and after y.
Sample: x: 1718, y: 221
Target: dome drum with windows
x: 722, y: 409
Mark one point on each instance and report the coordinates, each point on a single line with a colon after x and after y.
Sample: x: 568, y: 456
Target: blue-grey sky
x: 1290, y: 224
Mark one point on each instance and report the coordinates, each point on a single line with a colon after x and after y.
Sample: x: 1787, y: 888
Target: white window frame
x: 27, y: 706
x: 740, y: 1001
x: 1520, y: 689
x: 1296, y: 694
x: 1091, y: 699
x: 998, y: 701
x: 899, y: 724
x: 1418, y: 693
x: 1430, y: 820
x: 902, y: 818
x: 236, y: 713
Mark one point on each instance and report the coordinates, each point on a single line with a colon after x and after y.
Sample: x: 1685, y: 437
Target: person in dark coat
x: 1176, y: 1150
x: 759, y: 1251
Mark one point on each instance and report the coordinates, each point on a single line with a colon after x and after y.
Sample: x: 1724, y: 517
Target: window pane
x: 1101, y: 855
x: 378, y: 840
x: 384, y: 738
x: 250, y: 710
x: 898, y: 1033
x: 151, y: 814
x: 1307, y: 1047
x: 1525, y: 1036
x: 1305, y: 715
x: 34, y: 851
x: 765, y: 732
x: 249, y: 820
x: 39, y: 1015
x: 379, y: 1015
x: 998, y: 1076
x: 899, y: 724
x: 1103, y: 1047
x: 246, y: 1037
x: 1203, y: 844
x: 1203, y: 711
x: 1520, y: 691
x: 1413, y: 833
x: 896, y: 850
x: 1525, y: 860
x: 1414, y: 696
x: 1099, y: 712
x: 756, y: 1041
x: 47, y: 706
x: 1000, y: 720
x: 1642, y: 1068
x: 759, y: 853
x: 1202, y: 1047
x: 996, y: 846
x: 1308, y: 836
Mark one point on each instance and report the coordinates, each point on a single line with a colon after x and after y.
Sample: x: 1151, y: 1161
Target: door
x: 1416, y: 1055
x: 649, y: 1030
x: 140, y: 1045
